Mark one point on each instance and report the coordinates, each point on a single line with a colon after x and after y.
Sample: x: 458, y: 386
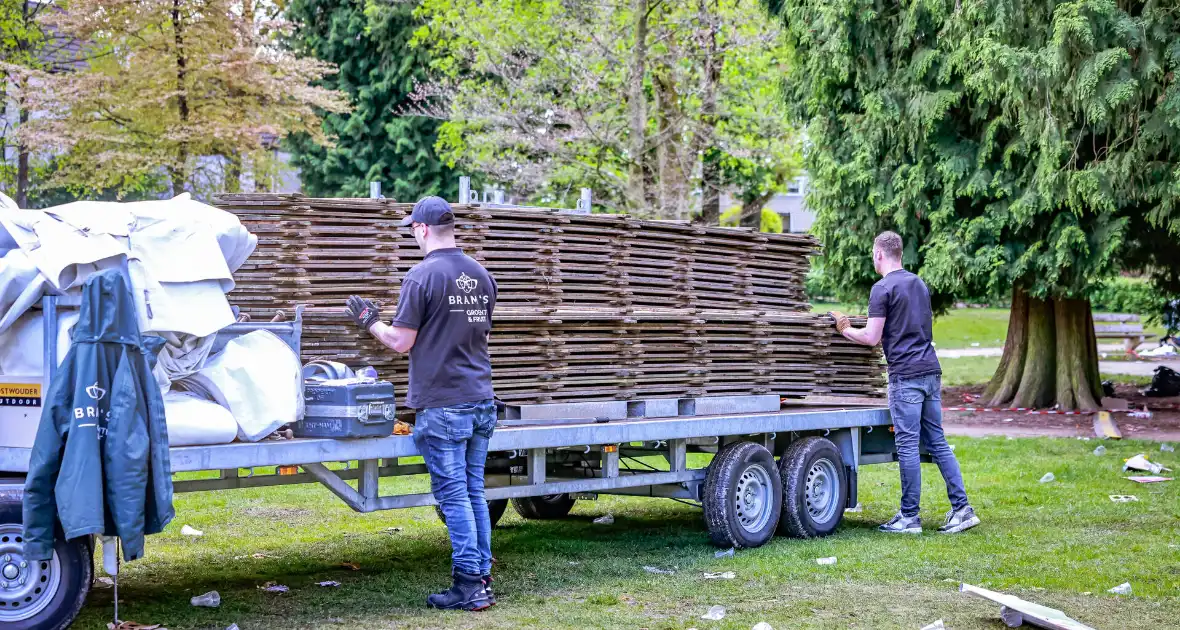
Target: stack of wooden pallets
x: 591, y: 307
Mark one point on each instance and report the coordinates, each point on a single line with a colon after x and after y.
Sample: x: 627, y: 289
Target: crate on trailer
x: 347, y: 408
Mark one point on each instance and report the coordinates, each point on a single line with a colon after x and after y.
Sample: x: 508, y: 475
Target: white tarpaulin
x: 258, y: 378
x: 180, y: 253
x: 194, y: 421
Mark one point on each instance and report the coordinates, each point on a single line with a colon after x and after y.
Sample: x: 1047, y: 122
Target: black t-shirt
x: 904, y: 301
x: 448, y: 298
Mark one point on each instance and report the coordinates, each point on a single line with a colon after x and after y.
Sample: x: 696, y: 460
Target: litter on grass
x: 272, y: 587
x: 728, y: 575
x: 1015, y: 611
x: 1121, y: 589
x: 1123, y: 498
x: 233, y: 626
x: 937, y: 625
x: 1101, y: 450
x: 188, y: 531
x: 609, y: 519
x: 1140, y: 462
x: 825, y: 561
x: 659, y: 571
x: 716, y: 613
x: 212, y: 599
x: 1148, y: 479
x: 132, y: 625
x: 1049, y: 477
x: 728, y: 553
x: 762, y: 625
x: 328, y: 583
x: 1167, y: 448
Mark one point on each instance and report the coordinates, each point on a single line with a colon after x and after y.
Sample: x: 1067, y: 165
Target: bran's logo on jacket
x: 466, y: 283
x: 96, y: 392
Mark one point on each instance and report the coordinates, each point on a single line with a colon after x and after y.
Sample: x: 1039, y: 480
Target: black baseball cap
x: 430, y: 211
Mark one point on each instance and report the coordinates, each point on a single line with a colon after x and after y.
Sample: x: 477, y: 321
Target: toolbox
x: 347, y: 408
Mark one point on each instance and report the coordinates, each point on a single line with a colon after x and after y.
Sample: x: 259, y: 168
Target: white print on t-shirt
x: 467, y: 284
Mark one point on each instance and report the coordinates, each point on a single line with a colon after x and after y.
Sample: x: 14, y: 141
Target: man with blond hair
x: 901, y: 319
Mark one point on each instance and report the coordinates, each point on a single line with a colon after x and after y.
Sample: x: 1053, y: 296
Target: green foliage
x: 1129, y: 295
x: 1009, y: 143
x: 771, y: 221
x: 378, y: 70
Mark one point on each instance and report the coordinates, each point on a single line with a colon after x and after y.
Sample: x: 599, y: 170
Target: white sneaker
x: 902, y: 525
x: 960, y: 521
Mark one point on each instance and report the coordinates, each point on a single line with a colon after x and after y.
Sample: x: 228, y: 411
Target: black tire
x: 72, y: 564
x: 548, y: 507
x: 815, y: 488
x: 496, y: 508
x: 742, y: 496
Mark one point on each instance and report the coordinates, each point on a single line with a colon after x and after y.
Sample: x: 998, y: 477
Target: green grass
x: 1061, y: 544
x: 978, y: 370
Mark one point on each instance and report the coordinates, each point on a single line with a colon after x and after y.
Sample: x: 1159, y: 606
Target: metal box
x: 347, y: 408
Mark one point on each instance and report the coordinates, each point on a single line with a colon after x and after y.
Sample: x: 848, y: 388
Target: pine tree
x: 1013, y: 144
x: 377, y: 70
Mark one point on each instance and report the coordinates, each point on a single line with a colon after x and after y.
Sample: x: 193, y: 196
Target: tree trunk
x: 179, y: 171
x: 710, y: 76
x: 673, y: 183
x: 22, y: 155
x: 1050, y: 356
x: 637, y: 109
x: 751, y: 212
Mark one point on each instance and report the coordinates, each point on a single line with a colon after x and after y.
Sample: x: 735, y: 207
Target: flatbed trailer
x: 791, y: 470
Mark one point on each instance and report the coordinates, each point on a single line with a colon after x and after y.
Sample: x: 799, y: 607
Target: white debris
x: 716, y: 613
x: 1101, y: 450
x: 609, y: 519
x: 728, y: 553
x: 826, y: 561
x: 762, y: 625
x: 233, y: 626
x: 1167, y: 448
x: 728, y: 575
x: 952, y: 447
x: 1121, y: 589
x: 1009, y: 419
x: 1140, y: 462
x: 328, y: 583
x: 975, y: 345
x: 1049, y: 478
x: 188, y: 531
x: 212, y: 599
x: 937, y: 625
x: 271, y: 587
x: 659, y: 571
x: 1123, y: 498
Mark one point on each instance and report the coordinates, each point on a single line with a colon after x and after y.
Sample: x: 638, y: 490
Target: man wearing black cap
x: 443, y: 319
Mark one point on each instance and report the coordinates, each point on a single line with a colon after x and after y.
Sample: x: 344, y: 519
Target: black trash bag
x: 1165, y: 382
x: 1108, y: 389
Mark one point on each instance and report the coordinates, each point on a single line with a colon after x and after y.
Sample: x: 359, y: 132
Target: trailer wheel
x: 547, y: 507
x: 45, y: 595
x: 815, y: 488
x: 496, y: 508
x: 742, y: 496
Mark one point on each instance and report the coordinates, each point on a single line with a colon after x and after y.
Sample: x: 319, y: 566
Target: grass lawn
x: 976, y: 370
x: 1061, y: 544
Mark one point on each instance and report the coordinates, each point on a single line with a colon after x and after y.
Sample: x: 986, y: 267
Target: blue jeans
x: 916, y: 406
x: 454, y: 442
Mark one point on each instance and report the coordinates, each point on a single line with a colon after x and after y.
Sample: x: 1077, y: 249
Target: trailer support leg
x: 610, y: 462
x: 536, y: 467
x: 677, y: 455
x: 338, y: 486
x: 367, y: 483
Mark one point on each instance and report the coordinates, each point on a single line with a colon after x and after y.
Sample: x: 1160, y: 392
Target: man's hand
x: 842, y: 322
x: 364, y: 312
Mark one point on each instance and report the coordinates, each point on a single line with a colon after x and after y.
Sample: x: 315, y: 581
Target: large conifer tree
x: 1016, y: 145
x: 369, y: 43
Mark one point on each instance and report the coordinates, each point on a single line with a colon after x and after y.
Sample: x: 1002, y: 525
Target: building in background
x: 790, y: 205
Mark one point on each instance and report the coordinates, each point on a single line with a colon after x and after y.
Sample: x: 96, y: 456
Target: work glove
x: 842, y: 322
x: 364, y: 312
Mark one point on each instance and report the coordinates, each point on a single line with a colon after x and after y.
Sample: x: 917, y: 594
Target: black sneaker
x: 467, y: 593
x: 902, y: 525
x: 960, y: 521
x: 487, y: 587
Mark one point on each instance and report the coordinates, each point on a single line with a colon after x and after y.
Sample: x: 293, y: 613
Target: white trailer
x: 776, y: 469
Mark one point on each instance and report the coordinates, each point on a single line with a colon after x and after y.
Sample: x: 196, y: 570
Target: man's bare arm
x: 395, y: 338
x: 870, y: 335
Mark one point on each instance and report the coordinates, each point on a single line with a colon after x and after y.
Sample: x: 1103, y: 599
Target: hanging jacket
x: 100, y: 458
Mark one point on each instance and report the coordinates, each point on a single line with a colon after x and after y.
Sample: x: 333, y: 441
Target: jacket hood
x: 108, y: 311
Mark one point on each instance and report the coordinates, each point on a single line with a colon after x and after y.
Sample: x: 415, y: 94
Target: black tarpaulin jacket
x: 100, y: 458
